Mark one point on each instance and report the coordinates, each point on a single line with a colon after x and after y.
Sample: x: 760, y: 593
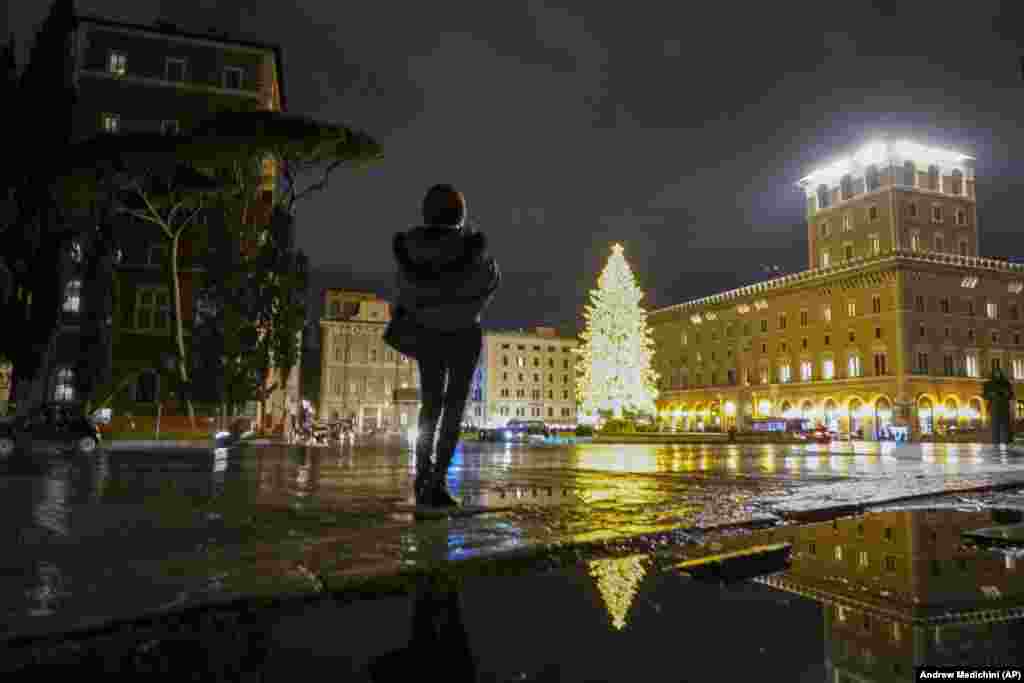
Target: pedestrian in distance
x: 446, y: 279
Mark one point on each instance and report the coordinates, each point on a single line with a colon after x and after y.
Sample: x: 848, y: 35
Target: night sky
x: 676, y: 129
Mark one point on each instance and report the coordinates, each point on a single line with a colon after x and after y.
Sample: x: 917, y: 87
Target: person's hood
x: 432, y: 251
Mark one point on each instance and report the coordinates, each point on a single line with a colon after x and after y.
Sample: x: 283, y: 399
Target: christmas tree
x: 614, y: 368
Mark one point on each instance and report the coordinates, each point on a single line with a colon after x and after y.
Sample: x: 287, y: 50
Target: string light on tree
x: 614, y: 368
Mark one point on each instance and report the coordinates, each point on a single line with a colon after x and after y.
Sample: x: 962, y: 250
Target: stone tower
x: 891, y: 195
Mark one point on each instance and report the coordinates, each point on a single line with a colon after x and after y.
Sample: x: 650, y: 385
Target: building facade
x: 155, y: 78
x: 897, y: 322
x: 527, y: 375
x: 362, y: 378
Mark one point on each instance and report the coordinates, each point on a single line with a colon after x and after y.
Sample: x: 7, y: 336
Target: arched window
x: 909, y: 174
x: 846, y: 187
x: 873, y: 180
x: 823, y: 196
x: 72, y: 296
x: 933, y: 177
x: 64, y: 388
x: 956, y: 183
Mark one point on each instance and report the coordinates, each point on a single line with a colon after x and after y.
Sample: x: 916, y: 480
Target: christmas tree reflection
x: 617, y: 580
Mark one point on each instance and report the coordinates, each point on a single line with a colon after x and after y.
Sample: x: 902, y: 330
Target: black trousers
x: 446, y: 375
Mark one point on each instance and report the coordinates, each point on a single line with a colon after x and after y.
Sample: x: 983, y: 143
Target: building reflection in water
x: 900, y: 589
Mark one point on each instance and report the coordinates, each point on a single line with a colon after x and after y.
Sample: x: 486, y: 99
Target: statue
x: 998, y: 391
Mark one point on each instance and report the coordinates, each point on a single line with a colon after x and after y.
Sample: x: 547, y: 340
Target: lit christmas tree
x: 614, y: 368
x: 617, y: 581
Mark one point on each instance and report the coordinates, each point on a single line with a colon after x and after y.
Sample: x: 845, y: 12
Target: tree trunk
x: 178, y: 330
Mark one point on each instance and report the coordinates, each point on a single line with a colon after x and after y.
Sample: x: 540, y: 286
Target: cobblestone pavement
x: 116, y: 534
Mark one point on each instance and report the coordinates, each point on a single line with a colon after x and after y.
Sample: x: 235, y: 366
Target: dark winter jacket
x: 445, y: 276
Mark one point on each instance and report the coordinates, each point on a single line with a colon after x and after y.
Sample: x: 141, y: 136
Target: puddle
x: 864, y: 598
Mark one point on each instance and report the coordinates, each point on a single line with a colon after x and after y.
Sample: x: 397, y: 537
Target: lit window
x: 828, y: 369
x: 64, y: 387
x: 876, y: 304
x: 862, y: 559
x: 232, y: 78
x: 872, y: 213
x: 826, y: 229
x: 854, y: 366
x: 805, y: 370
x: 117, y: 63
x: 847, y: 223
x: 915, y: 241
x: 111, y: 123
x: 784, y: 373
x: 170, y: 127
x: 825, y: 259
x: 971, y: 364
x: 839, y: 553
x: 683, y: 339
x: 992, y: 310
x: 875, y: 245
x: 851, y: 308
x: 73, y: 296
x: 1018, y: 368
x: 827, y: 313
x: 175, y: 69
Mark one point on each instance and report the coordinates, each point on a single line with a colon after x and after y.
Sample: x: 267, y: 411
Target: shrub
x: 584, y: 430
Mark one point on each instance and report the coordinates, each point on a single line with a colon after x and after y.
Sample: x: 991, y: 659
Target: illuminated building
x: 899, y: 590
x: 897, y: 321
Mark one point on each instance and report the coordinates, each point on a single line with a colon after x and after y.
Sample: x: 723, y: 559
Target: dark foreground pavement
x: 119, y: 534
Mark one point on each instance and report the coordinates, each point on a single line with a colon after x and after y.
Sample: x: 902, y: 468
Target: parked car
x: 54, y: 424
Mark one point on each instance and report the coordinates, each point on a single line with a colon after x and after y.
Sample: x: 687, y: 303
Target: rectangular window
x: 826, y: 312
x: 862, y: 559
x: 921, y: 332
x: 111, y: 123
x: 152, y: 309
x: 919, y: 303
x: 805, y: 370
x: 803, y: 318
x: 232, y: 78
x: 939, y: 243
x: 961, y: 217
x: 992, y: 310
x: 971, y: 365
x: 1018, y: 369
x: 963, y: 247
x: 936, y: 214
x: 784, y: 373
x: 879, y: 364
x: 872, y: 213
x: 890, y: 566
x: 175, y: 69
x: 828, y: 340
x: 851, y: 308
x: 828, y: 369
x: 912, y: 210
x: 878, y: 333
x: 826, y: 229
x: 170, y: 127
x: 947, y: 366
x: 838, y: 553
x: 764, y: 375
x: 117, y: 63
x: 782, y: 321
x: 853, y: 366
x: 922, y: 362
x: 944, y: 305
x: 764, y: 325
x: 848, y: 251
x: 875, y: 245
x: 825, y: 260
x: 915, y: 241
x: 876, y: 304
x: 847, y: 222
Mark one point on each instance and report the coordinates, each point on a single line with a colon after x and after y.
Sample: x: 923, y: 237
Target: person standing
x: 446, y: 279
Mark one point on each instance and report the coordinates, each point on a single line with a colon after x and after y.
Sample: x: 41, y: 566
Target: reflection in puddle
x: 618, y: 580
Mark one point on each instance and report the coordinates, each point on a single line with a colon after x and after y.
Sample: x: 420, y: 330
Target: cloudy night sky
x: 678, y: 130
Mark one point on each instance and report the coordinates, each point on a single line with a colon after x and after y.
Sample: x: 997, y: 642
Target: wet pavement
x: 861, y: 598
x: 117, y: 534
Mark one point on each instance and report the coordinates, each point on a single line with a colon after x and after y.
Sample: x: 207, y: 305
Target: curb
x: 825, y: 514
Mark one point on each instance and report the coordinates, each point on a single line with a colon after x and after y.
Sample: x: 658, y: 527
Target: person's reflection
x: 439, y: 641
